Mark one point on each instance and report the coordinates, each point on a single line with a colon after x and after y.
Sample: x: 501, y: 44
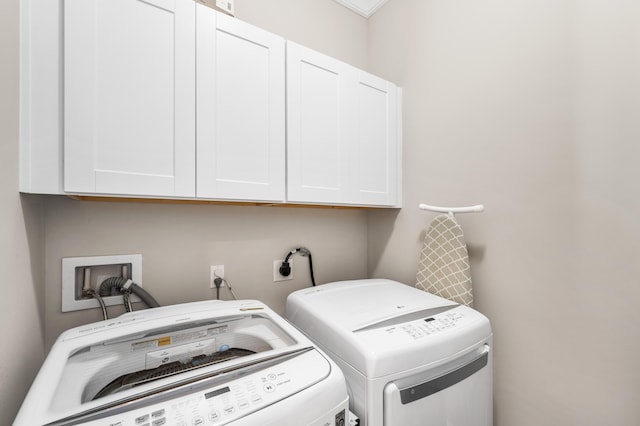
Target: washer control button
x: 269, y: 388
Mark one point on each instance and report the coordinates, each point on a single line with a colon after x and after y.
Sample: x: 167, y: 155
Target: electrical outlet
x: 89, y: 272
x: 276, y: 271
x: 226, y: 6
x: 216, y: 271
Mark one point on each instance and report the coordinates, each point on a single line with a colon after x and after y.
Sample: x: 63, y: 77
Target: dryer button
x: 142, y: 419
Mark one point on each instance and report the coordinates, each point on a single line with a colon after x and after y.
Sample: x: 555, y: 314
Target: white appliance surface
x: 410, y: 357
x: 197, y: 363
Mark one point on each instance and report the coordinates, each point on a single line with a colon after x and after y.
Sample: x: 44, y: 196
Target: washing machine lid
x: 112, y: 363
x: 381, y: 327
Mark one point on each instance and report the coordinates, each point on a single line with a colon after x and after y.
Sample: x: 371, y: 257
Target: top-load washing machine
x: 410, y: 358
x: 203, y: 363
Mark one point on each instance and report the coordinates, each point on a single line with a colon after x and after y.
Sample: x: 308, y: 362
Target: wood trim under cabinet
x: 214, y: 202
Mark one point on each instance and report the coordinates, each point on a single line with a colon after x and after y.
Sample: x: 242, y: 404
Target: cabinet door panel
x: 319, y: 114
x: 320, y: 122
x: 241, y: 112
x: 342, y: 140
x: 376, y: 181
x: 130, y: 97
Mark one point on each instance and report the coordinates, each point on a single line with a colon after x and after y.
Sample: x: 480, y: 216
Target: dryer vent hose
x: 123, y: 285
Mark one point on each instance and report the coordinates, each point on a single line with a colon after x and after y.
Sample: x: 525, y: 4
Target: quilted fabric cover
x: 444, y: 262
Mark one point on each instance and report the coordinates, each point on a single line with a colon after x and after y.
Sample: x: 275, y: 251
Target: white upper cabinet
x: 342, y: 137
x: 129, y: 97
x: 240, y: 110
x: 319, y: 112
x: 378, y: 142
x: 171, y: 99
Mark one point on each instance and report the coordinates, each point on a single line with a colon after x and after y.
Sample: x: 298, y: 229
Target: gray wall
x: 179, y: 242
x: 530, y: 107
x: 21, y: 240
x: 323, y: 25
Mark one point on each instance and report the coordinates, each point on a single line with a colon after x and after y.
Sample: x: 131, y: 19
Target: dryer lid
x: 362, y: 304
x: 381, y: 327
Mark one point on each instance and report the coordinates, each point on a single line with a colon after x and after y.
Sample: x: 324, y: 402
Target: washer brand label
x: 164, y: 341
x: 154, y: 343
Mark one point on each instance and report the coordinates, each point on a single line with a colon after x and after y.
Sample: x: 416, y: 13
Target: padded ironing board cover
x: 444, y: 262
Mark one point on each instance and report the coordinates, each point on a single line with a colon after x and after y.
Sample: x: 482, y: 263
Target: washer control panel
x: 232, y: 400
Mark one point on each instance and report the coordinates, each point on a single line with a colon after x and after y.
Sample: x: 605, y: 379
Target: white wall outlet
x: 276, y: 271
x: 90, y: 271
x: 216, y: 271
x: 226, y: 6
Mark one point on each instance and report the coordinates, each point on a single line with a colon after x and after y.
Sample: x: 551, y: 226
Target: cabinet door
x: 240, y: 110
x: 129, y: 106
x: 320, y: 127
x: 376, y: 180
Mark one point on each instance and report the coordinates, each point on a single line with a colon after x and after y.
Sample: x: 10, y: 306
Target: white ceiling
x: 365, y: 8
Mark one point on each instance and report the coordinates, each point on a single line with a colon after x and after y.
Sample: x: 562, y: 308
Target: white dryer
x: 204, y: 363
x: 410, y: 358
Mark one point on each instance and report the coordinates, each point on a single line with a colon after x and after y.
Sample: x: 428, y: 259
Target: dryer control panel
x: 416, y: 340
x: 432, y: 325
x: 417, y: 330
x: 426, y: 331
